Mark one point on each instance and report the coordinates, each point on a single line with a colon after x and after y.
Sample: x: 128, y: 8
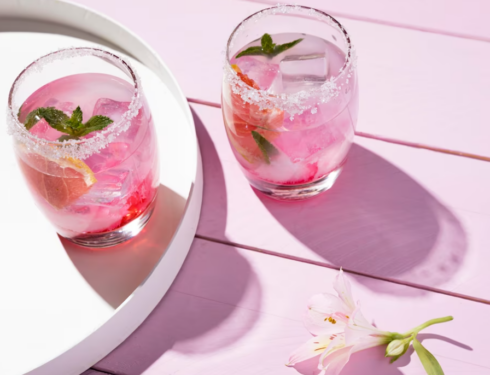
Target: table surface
x: 408, y: 222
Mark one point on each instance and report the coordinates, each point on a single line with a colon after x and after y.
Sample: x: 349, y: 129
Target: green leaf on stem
x: 283, y: 47
x: 268, y: 48
x: 265, y: 146
x: 432, y: 367
x: 75, y: 121
x: 67, y: 138
x: 267, y: 44
x: 96, y: 123
x: 72, y: 126
x: 54, y: 117
x: 251, y: 51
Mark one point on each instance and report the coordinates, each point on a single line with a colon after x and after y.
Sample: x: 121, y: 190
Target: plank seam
x: 389, y: 23
x: 101, y: 371
x: 383, y: 139
x: 353, y: 272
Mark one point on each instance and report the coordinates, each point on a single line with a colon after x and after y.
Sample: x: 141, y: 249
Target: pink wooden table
x: 411, y: 226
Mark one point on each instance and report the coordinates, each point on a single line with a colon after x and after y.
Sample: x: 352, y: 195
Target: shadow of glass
x: 378, y: 220
x: 115, y: 273
x: 204, y: 294
x: 184, y: 323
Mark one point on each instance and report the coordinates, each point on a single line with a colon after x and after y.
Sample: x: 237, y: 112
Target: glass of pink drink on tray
x: 290, y: 100
x: 86, y: 144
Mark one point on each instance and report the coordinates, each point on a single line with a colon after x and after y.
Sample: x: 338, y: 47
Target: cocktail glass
x: 86, y: 145
x: 290, y: 100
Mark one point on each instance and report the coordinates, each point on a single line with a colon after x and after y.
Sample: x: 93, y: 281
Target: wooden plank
x: 414, y: 86
x: 232, y: 311
x: 458, y: 18
x: 398, y: 213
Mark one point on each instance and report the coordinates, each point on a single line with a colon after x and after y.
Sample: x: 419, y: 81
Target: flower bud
x: 396, y: 348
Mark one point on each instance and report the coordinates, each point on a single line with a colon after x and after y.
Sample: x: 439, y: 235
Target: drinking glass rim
x: 266, y: 100
x: 83, y: 148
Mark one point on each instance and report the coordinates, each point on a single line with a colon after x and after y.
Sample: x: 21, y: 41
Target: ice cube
x: 44, y: 131
x: 284, y: 171
x: 110, y: 108
x: 111, y: 156
x: 114, y: 110
x: 261, y: 72
x: 67, y: 107
x: 300, y: 72
x: 111, y: 185
x: 301, y: 145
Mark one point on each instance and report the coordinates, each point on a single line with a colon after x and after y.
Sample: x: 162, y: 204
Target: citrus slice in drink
x: 60, y: 182
x: 243, y: 118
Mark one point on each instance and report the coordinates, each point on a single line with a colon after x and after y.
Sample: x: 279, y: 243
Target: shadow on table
x: 372, y: 359
x: 115, y: 273
x: 186, y: 317
x: 379, y: 221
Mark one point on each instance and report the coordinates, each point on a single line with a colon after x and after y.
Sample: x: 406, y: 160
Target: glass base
x: 117, y: 236
x: 297, y: 192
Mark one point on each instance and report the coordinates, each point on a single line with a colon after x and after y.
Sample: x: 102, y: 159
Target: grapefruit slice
x: 243, y: 118
x: 60, y: 182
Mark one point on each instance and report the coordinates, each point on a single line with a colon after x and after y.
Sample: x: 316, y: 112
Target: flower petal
x: 321, y: 324
x: 368, y: 342
x: 326, y: 314
x: 342, y: 287
x: 335, y: 357
x: 328, y: 303
x: 359, y: 328
x: 312, y: 348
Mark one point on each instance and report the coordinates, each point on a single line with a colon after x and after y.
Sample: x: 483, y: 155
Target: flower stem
x: 414, y: 331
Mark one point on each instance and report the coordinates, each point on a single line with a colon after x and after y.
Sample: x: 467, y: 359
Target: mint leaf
x: 251, y: 51
x: 66, y: 138
x: 265, y: 146
x: 75, y: 121
x: 267, y: 45
x: 268, y: 48
x: 72, y: 126
x: 432, y: 367
x: 54, y: 117
x: 95, y: 123
x: 283, y: 47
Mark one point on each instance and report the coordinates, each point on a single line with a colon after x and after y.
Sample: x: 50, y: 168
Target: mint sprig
x: 72, y: 126
x: 268, y: 48
x: 265, y: 146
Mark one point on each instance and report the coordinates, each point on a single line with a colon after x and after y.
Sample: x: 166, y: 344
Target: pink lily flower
x: 339, y: 328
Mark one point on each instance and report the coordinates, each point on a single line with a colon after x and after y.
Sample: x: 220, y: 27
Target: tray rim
x: 135, y: 309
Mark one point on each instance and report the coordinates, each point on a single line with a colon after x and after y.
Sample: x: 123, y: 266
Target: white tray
x: 63, y: 308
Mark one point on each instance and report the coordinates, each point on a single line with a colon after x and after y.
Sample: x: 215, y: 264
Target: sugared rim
x: 79, y: 149
x: 297, y: 102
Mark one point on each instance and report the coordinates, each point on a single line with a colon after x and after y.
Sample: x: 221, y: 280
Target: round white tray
x: 62, y: 307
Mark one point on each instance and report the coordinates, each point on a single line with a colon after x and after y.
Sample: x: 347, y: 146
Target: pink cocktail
x: 290, y: 100
x: 86, y: 145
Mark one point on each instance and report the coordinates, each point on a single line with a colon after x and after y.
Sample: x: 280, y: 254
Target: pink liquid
x: 126, y: 170
x: 308, y: 146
